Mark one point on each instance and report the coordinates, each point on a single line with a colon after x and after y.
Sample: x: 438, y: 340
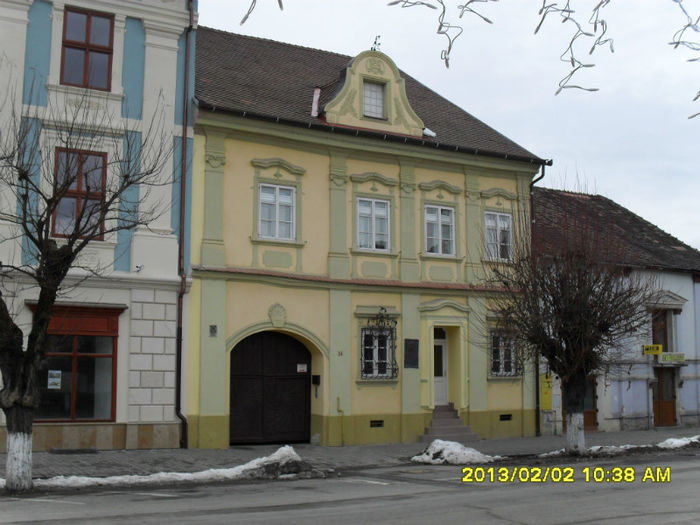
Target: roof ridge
x: 279, y: 42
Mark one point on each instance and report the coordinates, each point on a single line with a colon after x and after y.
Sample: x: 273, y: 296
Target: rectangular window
x: 80, y: 178
x: 77, y: 375
x: 504, y: 362
x: 439, y: 230
x: 499, y: 238
x: 87, y: 49
x: 373, y: 224
x: 378, y: 354
x: 277, y: 212
x: 373, y: 100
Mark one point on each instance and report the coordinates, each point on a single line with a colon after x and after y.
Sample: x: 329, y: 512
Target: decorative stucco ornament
x: 278, y: 315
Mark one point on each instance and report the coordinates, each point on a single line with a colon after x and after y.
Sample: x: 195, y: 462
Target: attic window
x: 373, y: 99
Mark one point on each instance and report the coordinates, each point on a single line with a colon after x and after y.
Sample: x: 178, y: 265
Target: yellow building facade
x: 337, y: 293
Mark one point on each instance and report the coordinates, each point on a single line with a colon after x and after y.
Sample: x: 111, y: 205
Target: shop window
x: 77, y: 377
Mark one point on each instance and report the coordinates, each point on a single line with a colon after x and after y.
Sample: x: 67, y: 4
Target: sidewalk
x: 143, y: 462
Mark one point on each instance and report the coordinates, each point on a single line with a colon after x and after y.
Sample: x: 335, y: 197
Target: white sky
x: 631, y: 141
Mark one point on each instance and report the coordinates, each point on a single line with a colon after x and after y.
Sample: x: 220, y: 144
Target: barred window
x: 504, y: 361
x: 378, y: 351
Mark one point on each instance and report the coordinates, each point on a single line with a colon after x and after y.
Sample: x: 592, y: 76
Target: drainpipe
x: 181, y: 240
x: 537, y: 355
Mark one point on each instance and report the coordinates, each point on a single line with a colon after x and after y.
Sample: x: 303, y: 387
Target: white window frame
x: 439, y: 209
x: 502, y: 343
x: 494, y: 249
x: 375, y: 362
x: 373, y: 224
x: 373, y: 99
x: 277, y: 188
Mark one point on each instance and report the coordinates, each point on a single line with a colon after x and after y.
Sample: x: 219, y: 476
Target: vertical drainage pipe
x: 181, y: 241
x: 537, y: 355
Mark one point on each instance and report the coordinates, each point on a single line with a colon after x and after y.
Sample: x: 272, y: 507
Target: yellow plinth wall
x: 488, y: 423
x: 101, y: 436
x: 212, y: 431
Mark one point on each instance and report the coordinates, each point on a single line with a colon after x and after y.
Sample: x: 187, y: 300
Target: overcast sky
x: 631, y: 141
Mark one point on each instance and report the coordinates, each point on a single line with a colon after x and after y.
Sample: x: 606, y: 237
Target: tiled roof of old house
x: 275, y: 81
x: 628, y: 239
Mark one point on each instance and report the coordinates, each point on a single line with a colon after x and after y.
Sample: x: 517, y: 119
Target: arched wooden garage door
x: 270, y: 396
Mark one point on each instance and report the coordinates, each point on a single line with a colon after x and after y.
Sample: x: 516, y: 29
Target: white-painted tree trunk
x: 18, y: 469
x: 575, y: 439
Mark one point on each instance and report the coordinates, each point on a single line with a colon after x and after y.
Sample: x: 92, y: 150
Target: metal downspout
x: 537, y: 355
x: 181, y: 243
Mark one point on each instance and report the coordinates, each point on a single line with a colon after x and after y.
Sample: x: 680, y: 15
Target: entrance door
x: 590, y: 406
x: 440, y: 371
x: 270, y: 397
x: 664, y: 392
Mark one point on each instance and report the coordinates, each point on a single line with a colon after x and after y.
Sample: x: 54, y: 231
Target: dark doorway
x: 270, y: 396
x: 664, y: 392
x: 590, y: 406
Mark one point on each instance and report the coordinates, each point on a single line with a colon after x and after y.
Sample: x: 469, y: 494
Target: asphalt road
x: 403, y: 494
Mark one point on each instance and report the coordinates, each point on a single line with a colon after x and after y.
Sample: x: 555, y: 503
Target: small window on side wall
x: 87, y: 49
x: 373, y: 100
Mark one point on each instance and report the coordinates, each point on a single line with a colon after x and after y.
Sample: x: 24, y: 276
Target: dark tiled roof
x: 269, y: 79
x: 561, y: 216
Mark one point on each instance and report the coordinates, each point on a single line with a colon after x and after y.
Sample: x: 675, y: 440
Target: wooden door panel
x: 664, y: 393
x: 246, y: 401
x: 270, y: 399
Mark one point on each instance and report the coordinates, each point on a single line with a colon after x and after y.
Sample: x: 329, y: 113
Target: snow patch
x: 611, y: 450
x: 679, y: 442
x: 249, y: 470
x: 552, y: 454
x: 441, y: 452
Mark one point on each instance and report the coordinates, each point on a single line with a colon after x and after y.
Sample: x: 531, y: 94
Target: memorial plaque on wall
x: 410, y: 353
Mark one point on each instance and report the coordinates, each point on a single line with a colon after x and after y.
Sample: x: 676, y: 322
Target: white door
x: 440, y: 371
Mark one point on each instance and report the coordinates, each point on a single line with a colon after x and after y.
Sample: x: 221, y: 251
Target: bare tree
x: 589, y: 30
x: 59, y: 195
x: 569, y: 297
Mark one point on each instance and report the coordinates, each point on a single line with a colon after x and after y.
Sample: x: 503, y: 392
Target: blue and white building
x: 111, y: 380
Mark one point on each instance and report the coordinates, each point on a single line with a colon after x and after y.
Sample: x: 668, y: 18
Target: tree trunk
x: 18, y: 469
x: 573, y: 394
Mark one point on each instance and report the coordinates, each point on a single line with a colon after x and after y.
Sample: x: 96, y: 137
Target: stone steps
x: 446, y: 425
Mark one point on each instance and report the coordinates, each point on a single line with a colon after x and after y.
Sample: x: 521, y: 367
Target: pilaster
x: 213, y: 253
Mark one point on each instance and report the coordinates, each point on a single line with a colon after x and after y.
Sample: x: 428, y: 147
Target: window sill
x: 94, y: 93
x: 493, y: 262
x: 378, y: 381
x: 505, y: 378
x: 373, y: 253
x: 439, y: 256
x: 277, y: 242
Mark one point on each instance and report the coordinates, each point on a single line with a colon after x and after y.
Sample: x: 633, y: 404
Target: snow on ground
x: 440, y: 452
x: 609, y: 450
x: 553, y: 453
x: 679, y: 442
x: 251, y: 469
